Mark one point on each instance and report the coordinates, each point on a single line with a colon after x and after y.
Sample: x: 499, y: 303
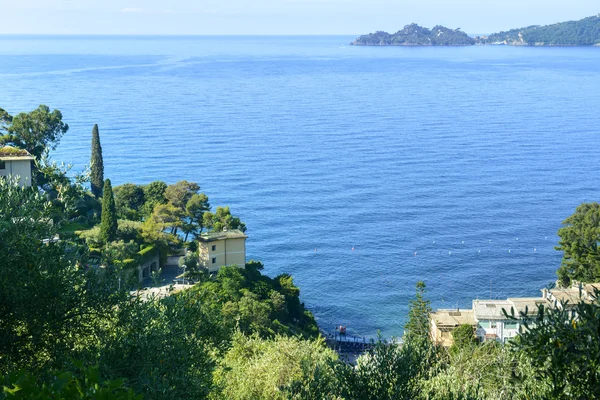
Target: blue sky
x: 279, y: 16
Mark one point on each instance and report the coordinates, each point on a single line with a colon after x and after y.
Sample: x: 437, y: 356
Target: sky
x: 279, y: 17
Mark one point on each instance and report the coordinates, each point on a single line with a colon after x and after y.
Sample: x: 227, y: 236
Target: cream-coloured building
x: 17, y: 163
x: 443, y: 322
x: 217, y: 249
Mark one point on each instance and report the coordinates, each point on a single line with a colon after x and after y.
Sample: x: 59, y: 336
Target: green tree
x: 417, y: 327
x: 49, y: 304
x: 222, y: 219
x: 129, y: 199
x: 37, y: 131
x: 279, y: 368
x: 154, y: 193
x: 195, y: 208
x: 108, y: 224
x: 96, y: 164
x: 563, y: 345
x: 579, y: 239
x: 464, y: 336
x: 180, y: 193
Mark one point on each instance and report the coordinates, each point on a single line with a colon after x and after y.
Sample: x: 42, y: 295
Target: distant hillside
x: 585, y: 32
x: 415, y: 35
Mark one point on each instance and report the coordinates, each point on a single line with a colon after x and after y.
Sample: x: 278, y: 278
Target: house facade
x: 217, y: 249
x: 443, y: 322
x: 16, y: 163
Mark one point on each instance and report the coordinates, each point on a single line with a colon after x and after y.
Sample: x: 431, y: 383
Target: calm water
x: 454, y: 166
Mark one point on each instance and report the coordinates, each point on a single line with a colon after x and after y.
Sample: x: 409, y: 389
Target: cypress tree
x: 96, y: 164
x: 108, y: 224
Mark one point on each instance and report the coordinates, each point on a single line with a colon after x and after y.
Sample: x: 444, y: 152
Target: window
x: 214, y: 247
x: 2, y: 165
x: 214, y: 260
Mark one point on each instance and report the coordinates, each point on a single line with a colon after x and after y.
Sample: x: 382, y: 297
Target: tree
x: 96, y: 164
x: 417, y: 327
x: 129, y: 199
x: 37, y: 131
x: 180, y: 193
x: 563, y: 345
x: 579, y: 239
x: 49, y: 305
x: 222, y: 219
x: 195, y: 208
x: 154, y: 193
x: 108, y: 224
x: 464, y: 336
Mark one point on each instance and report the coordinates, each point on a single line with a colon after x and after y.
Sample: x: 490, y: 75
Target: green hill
x: 415, y: 35
x: 585, y: 32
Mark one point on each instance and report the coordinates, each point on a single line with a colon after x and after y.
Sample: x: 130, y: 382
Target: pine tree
x: 97, y: 164
x: 417, y: 327
x: 108, y: 224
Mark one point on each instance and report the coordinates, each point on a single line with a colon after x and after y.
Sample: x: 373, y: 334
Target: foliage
x: 562, y: 344
x: 222, y: 219
x: 464, y: 336
x: 162, y: 348
x: 190, y: 260
x: 579, y: 240
x: 37, y: 131
x: 66, y: 385
x: 48, y: 305
x: 417, y: 327
x: 129, y: 200
x: 257, y: 369
x: 180, y: 193
x: 414, y: 34
x: 108, y: 224
x: 116, y: 252
x: 154, y: 193
x: 68, y: 195
x: 488, y: 371
x: 96, y: 164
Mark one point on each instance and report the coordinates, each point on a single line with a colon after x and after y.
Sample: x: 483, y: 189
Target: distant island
x: 585, y: 32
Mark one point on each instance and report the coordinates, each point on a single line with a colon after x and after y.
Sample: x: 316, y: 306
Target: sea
x: 358, y: 170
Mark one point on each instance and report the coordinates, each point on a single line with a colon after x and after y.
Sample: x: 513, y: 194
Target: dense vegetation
x: 70, y: 330
x: 585, y: 32
x: 415, y: 35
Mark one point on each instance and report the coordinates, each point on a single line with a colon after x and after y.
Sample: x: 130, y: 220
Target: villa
x: 16, y: 163
x: 217, y: 249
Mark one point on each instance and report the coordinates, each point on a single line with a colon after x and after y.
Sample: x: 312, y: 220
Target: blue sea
x: 358, y: 170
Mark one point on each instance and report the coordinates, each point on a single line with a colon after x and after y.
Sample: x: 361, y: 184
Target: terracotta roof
x: 9, y: 151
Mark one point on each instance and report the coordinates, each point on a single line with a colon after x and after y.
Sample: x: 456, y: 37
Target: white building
x: 493, y: 324
x: 16, y: 163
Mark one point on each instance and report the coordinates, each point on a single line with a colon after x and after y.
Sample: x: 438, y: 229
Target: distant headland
x: 585, y: 32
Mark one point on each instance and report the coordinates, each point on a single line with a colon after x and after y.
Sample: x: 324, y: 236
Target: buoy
x: 479, y: 251
x: 449, y: 252
x: 352, y: 248
x: 463, y: 242
x: 509, y: 251
x: 415, y: 253
x: 517, y: 238
x: 534, y: 250
x: 434, y: 242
